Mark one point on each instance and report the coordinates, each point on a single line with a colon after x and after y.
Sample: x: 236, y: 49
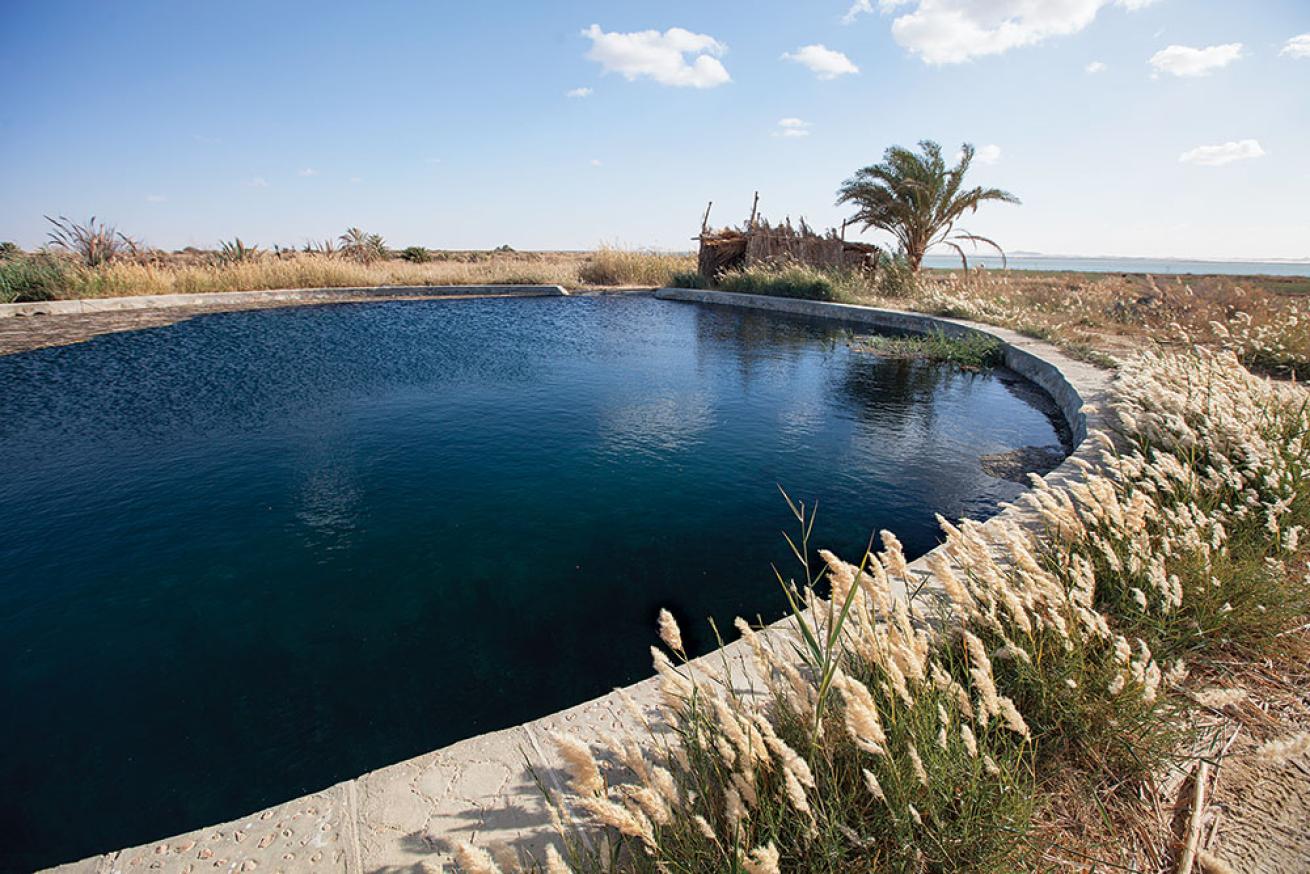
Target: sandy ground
x: 1256, y: 813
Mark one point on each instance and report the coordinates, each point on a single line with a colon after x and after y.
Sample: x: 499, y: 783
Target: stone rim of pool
x: 479, y: 790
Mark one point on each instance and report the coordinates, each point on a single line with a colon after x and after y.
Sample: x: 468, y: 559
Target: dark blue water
x: 252, y: 554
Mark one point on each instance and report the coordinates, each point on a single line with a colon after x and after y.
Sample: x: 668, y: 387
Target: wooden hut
x: 758, y: 242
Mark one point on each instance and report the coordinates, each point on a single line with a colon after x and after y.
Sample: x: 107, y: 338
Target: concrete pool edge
x: 288, y: 295
x: 404, y: 816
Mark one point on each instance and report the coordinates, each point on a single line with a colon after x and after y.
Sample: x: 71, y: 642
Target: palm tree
x: 362, y: 247
x: 917, y: 199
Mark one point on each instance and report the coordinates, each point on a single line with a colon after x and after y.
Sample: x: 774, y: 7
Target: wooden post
x: 705, y: 219
x: 755, y: 207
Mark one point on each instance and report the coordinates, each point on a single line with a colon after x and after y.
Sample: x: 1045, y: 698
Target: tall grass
x: 31, y: 278
x: 884, y: 731
x: 303, y: 271
x: 612, y: 266
x: 241, y: 267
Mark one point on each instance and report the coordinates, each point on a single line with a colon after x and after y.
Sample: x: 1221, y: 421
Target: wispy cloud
x: 822, y: 61
x: 955, y: 31
x: 156, y: 198
x: 865, y: 7
x: 257, y: 182
x: 208, y: 141
x: 988, y: 154
x: 1188, y: 61
x: 578, y: 92
x: 792, y: 128
x: 660, y: 56
x: 596, y: 162
x: 858, y: 8
x: 1227, y: 153
x: 308, y: 171
x: 1297, y: 47
x: 1095, y: 67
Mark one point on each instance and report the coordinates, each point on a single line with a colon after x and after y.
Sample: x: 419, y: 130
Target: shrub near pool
x: 785, y: 281
x: 30, y: 278
x: 971, y: 351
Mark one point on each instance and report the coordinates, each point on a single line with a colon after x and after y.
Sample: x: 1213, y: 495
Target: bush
x: 972, y: 351
x: 790, y: 280
x: 1214, y: 486
x: 363, y: 247
x: 687, y: 279
x: 9, y: 251
x: 93, y: 243
x: 866, y: 756
x: 33, y: 278
x: 236, y: 252
x: 415, y: 255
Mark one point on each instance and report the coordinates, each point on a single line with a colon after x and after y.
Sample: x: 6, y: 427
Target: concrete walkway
x: 28, y: 326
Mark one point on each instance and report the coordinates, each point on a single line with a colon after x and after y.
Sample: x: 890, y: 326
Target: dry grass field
x: 53, y: 276
x: 1262, y: 318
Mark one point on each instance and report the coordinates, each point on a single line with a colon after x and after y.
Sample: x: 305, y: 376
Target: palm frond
x: 917, y: 198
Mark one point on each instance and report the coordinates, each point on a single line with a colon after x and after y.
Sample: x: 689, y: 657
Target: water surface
x: 251, y: 554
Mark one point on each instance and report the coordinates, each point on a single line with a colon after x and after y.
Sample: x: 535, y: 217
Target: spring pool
x: 251, y: 554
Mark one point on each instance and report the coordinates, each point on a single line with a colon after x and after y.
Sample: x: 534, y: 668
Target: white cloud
x: 954, y: 31
x: 156, y: 198
x: 1217, y: 156
x: 865, y: 7
x: 988, y: 154
x: 858, y: 8
x: 355, y: 180
x: 578, y: 92
x: 822, y: 61
x: 1095, y: 67
x: 660, y: 56
x: 1187, y: 61
x: 792, y: 128
x: 1297, y: 47
x: 595, y: 162
x: 308, y: 171
x: 257, y: 182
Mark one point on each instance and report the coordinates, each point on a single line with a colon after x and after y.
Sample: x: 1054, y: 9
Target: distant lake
x: 1167, y: 266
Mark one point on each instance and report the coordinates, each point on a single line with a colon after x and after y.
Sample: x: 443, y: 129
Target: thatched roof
x: 758, y: 242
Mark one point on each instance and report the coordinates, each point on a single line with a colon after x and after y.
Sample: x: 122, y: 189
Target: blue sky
x: 449, y: 125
